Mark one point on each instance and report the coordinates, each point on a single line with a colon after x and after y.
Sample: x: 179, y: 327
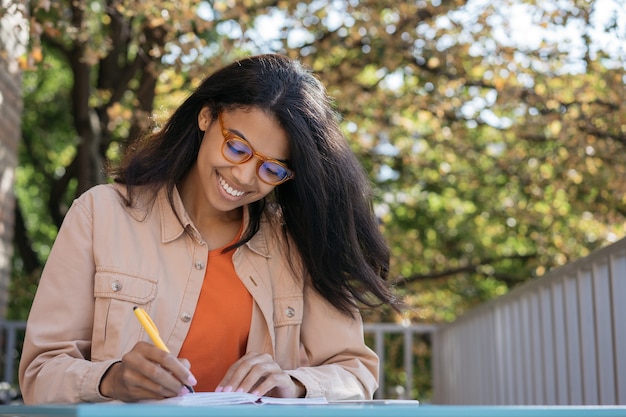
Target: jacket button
x: 290, y: 312
x: 185, y: 317
x: 199, y: 265
x: 116, y: 286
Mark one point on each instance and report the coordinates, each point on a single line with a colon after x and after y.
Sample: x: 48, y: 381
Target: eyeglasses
x: 237, y: 150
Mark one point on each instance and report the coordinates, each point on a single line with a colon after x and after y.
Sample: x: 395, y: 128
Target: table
x: 334, y: 410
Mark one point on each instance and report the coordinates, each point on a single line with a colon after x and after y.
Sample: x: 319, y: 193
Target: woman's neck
x: 216, y: 227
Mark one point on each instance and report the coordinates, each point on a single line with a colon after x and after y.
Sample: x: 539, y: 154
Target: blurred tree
x: 494, y: 135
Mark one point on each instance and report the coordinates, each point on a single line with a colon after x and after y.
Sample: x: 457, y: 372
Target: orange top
x: 219, y: 329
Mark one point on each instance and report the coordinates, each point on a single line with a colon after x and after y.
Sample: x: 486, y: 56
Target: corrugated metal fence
x: 558, y: 340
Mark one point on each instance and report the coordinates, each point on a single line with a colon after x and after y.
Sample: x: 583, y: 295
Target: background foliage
x: 494, y: 132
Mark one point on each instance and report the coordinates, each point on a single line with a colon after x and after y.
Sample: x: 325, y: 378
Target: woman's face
x: 227, y: 185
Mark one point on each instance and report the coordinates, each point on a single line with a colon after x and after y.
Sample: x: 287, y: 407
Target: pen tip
x: 135, y: 308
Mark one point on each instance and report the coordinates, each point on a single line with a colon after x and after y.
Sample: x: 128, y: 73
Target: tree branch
x: 471, y: 268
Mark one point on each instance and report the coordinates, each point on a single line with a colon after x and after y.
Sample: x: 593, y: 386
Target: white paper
x: 228, y: 398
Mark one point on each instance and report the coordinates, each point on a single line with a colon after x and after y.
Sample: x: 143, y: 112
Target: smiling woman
x: 244, y: 228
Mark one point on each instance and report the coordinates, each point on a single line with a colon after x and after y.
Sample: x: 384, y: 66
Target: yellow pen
x: 153, y: 332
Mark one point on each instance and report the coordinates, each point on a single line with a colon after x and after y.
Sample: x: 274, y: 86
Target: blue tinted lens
x: 272, y: 172
x: 237, y: 151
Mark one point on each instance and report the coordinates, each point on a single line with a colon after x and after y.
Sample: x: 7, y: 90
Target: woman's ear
x: 204, y: 118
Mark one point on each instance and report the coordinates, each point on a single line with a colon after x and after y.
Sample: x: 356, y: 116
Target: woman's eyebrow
x: 240, y: 135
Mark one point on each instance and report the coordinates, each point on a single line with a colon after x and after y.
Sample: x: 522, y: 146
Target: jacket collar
x: 172, y: 229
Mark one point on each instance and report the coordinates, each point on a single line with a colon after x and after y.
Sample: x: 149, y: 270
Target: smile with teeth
x: 230, y: 190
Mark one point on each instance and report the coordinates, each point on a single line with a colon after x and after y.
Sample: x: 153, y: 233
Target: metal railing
x: 382, y: 330
x: 557, y: 340
x: 11, y: 334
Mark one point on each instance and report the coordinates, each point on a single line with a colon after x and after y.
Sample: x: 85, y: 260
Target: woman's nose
x: 246, y: 173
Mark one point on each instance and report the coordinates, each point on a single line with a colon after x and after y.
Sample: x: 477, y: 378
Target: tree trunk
x: 13, y: 41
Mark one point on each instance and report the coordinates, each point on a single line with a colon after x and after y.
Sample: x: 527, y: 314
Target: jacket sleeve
x: 55, y: 366
x: 341, y: 366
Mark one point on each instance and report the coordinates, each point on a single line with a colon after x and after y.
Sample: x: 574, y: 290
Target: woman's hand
x: 257, y: 373
x: 146, y: 372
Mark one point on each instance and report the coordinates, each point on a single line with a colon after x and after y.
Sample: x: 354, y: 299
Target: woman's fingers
x: 146, y: 372
x: 259, y: 374
x: 178, y: 368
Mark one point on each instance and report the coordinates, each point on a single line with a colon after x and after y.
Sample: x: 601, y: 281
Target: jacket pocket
x: 115, y: 330
x: 119, y: 286
x: 288, y: 310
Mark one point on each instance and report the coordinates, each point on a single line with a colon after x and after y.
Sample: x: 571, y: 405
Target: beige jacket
x: 107, y: 259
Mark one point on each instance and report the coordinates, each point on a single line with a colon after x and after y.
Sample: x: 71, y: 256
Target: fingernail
x: 183, y: 391
x: 239, y: 390
x: 255, y: 393
x: 228, y: 388
x: 191, y: 380
x: 219, y: 389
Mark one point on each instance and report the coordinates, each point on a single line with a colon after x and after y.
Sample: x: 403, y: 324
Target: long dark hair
x: 327, y: 208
